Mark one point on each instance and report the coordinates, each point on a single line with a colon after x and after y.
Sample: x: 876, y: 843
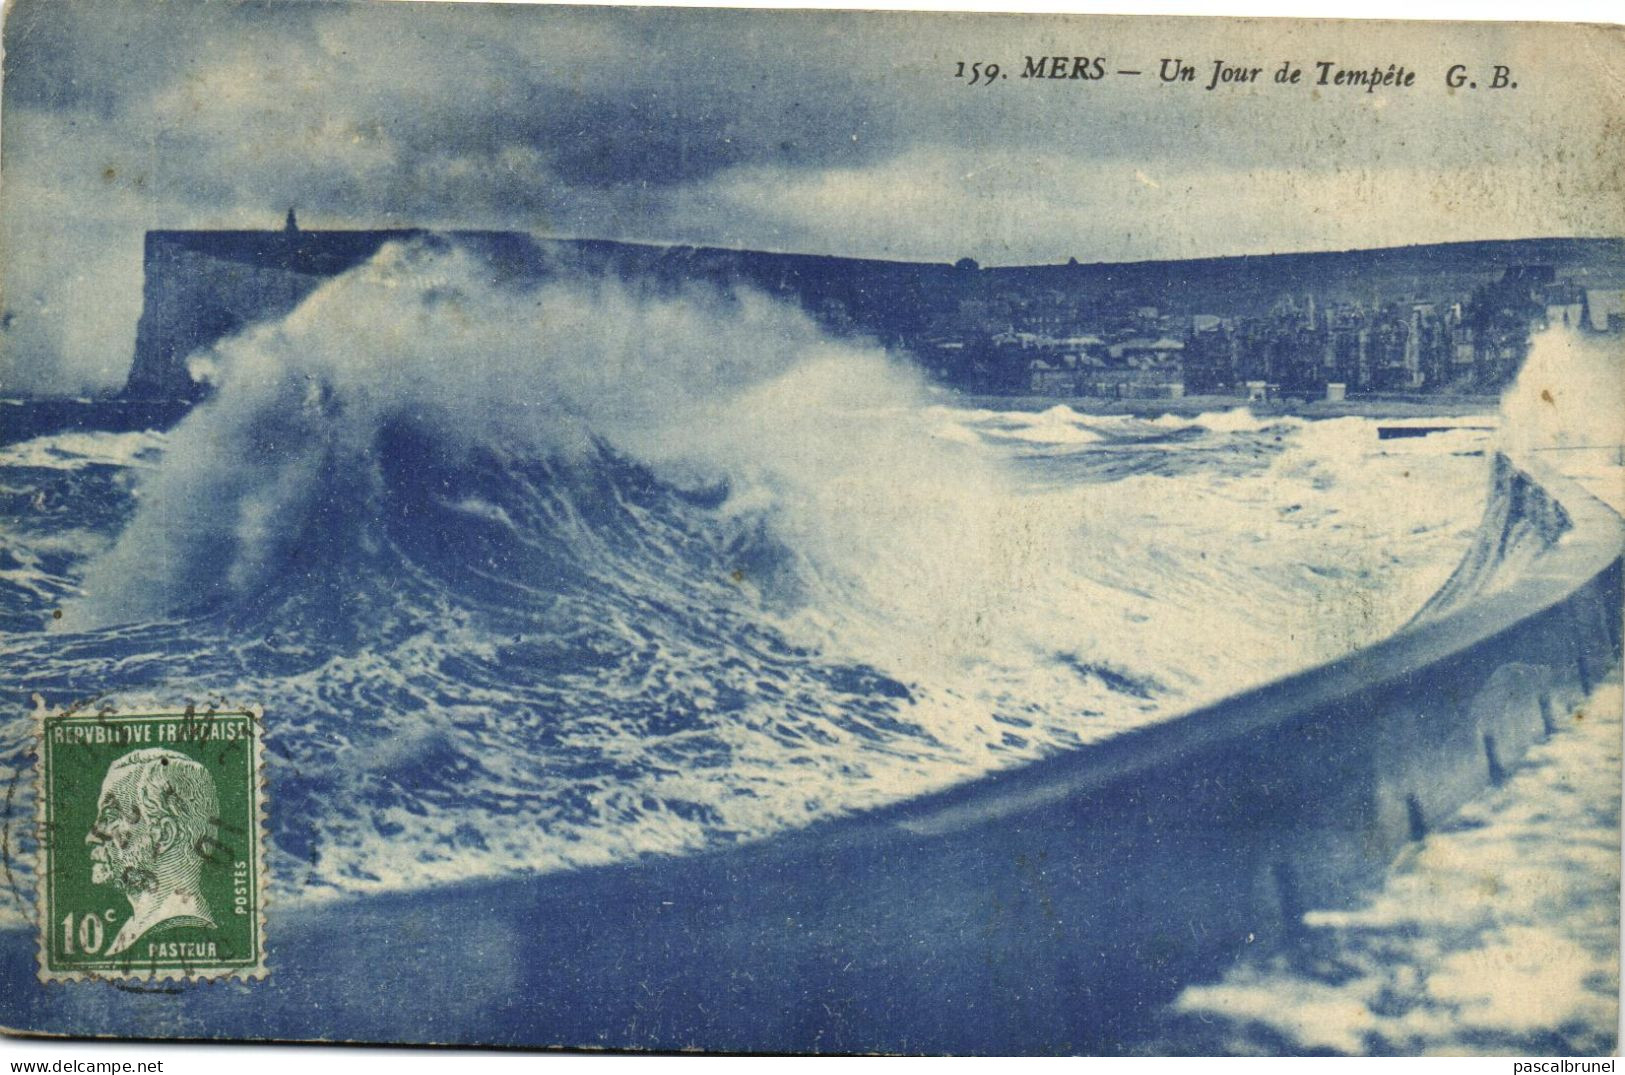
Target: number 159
x: 979, y: 72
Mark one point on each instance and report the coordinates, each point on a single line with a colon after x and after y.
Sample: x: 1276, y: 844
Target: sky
x: 823, y: 132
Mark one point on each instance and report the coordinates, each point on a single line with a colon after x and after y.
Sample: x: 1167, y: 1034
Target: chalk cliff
x: 202, y: 286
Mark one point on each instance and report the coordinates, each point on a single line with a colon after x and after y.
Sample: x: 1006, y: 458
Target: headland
x: 1438, y: 322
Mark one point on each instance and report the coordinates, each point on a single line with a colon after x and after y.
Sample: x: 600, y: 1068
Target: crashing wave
x: 540, y: 571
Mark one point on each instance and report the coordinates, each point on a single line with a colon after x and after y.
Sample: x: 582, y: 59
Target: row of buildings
x: 1056, y: 345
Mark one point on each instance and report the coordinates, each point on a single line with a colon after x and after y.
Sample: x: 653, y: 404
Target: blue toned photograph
x: 811, y: 532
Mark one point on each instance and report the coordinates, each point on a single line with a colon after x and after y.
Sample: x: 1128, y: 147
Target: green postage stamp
x: 151, y: 849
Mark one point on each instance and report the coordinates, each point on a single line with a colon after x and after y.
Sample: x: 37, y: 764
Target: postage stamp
x: 151, y: 845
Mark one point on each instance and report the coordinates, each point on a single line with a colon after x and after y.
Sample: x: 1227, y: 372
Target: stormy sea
x: 537, y: 573
x: 534, y: 576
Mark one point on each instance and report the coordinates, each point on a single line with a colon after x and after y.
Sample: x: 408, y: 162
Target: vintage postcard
x: 810, y: 531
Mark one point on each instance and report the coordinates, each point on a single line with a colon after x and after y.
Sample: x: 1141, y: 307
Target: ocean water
x: 533, y: 574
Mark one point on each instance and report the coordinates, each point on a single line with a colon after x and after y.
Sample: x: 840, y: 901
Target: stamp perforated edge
x: 259, y: 788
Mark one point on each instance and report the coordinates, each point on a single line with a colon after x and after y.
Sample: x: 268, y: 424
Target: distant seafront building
x: 1603, y: 310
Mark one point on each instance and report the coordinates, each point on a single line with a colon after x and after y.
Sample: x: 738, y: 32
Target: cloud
x: 942, y: 203
x: 825, y: 131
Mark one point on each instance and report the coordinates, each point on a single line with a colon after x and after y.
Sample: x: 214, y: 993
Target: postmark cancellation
x: 151, y: 845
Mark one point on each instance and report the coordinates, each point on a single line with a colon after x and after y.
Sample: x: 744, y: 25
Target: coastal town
x: 1307, y: 346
